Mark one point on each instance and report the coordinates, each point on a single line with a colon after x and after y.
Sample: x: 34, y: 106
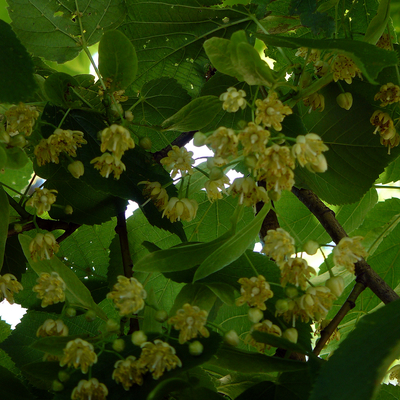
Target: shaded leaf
x: 11, y: 387
x: 4, y: 215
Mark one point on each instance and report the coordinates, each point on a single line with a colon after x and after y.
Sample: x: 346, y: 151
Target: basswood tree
x: 172, y: 302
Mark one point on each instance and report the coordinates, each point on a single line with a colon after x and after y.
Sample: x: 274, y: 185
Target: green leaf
x: 223, y: 291
x: 233, y: 248
x: 3, y: 157
x: 76, y: 292
x: 53, y: 31
x: 194, y: 116
x: 17, y: 179
x: 117, y: 60
x: 167, y: 386
x: 388, y: 392
x: 378, y: 24
x: 379, y: 332
x: 16, y: 158
x: 391, y: 172
x: 55, y: 344
x: 57, y: 88
x: 362, y: 53
x: 15, y: 87
x: 11, y: 387
x: 4, y: 216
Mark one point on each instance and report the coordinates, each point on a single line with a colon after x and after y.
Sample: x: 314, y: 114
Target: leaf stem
x: 63, y: 118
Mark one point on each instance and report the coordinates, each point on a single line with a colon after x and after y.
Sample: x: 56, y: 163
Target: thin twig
x: 47, y: 225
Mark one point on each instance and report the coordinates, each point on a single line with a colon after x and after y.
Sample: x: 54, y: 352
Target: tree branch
x: 122, y: 233
x: 364, y: 273
x: 181, y: 140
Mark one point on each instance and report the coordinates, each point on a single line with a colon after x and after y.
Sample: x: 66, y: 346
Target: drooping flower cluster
x: 233, y: 99
x: 248, y: 192
x: 180, y: 209
x: 128, y: 295
x: 190, y: 321
x: 313, y: 54
x: 89, y: 390
x: 52, y: 328
x: 385, y: 127
x: 254, y: 139
x: 128, y: 372
x: 156, y: 193
x: 8, y: 286
x: 42, y: 200
x: 43, y: 246
x: 279, y: 245
x: 224, y: 142
x: 108, y: 163
x: 178, y: 160
x: 348, y: 251
x: 296, y: 271
x: 79, y: 354
x: 255, y: 292
x: 50, y: 288
x: 344, y: 68
x: 315, y: 102
x: 21, y: 119
x: 388, y: 94
x: 216, y: 187
x: 265, y: 326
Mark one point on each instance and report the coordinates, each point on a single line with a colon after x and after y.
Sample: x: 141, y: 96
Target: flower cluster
x: 315, y: 102
x: 8, y: 286
x: 344, y: 68
x: 248, y: 192
x: 42, y: 200
x: 128, y: 372
x: 108, y: 163
x: 255, y: 292
x: 50, y: 288
x: 190, y: 321
x: 128, y: 295
x: 296, y: 271
x: 180, y: 209
x: 233, y: 99
x: 156, y: 193
x: 43, y: 246
x: 67, y: 141
x: 308, y: 152
x: 89, y: 390
x: 266, y: 326
x: 52, y: 328
x: 178, y: 160
x: 348, y: 251
x: 216, y: 187
x: 224, y: 142
x: 388, y: 94
x: 279, y: 245
x: 385, y: 127
x: 313, y: 54
x: 254, y: 139
x: 79, y: 354
x: 21, y: 119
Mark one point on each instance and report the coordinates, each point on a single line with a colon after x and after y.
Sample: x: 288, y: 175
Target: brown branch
x: 346, y: 307
x: 364, y: 273
x: 122, y: 233
x: 181, y: 140
x: 270, y: 222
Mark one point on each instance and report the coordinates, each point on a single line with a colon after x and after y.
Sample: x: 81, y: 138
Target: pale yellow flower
x: 313, y: 56
x: 308, y: 151
x: 52, y: 328
x: 42, y: 200
x: 247, y: 190
x: 233, y: 99
x: 89, y: 390
x: 385, y: 126
x: 271, y: 111
x: 266, y: 326
x: 394, y: 374
x: 321, y: 68
x: 348, y: 251
x: 388, y: 94
x: 155, y: 192
x: 21, y: 119
x: 79, y: 354
x: 393, y: 141
x: 224, y: 142
x: 279, y: 245
x: 117, y: 140
x: 50, y: 288
x: 157, y: 357
x: 43, y: 246
x: 344, y: 68
x: 254, y: 138
x: 8, y: 286
x: 180, y: 209
x: 315, y: 102
x: 128, y: 295
x: 345, y: 100
x: 315, y: 303
x: 215, y: 188
x: 128, y: 372
x: 255, y: 292
x: 76, y: 169
x: 178, y: 160
x: 108, y: 163
x: 190, y: 321
x: 296, y: 271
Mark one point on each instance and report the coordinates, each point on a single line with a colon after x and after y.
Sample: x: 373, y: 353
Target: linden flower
x: 50, y: 288
x: 108, y: 163
x: 43, y: 246
x: 157, y: 357
x: 247, y: 190
x: 388, y: 94
x: 254, y: 138
x: 315, y: 101
x: 383, y: 122
x: 321, y: 68
x: 394, y: 374
x: 312, y: 57
x: 255, y: 292
x: 271, y: 111
x: 384, y: 42
x: 215, y: 188
x: 128, y: 295
x: 178, y: 160
x: 296, y: 271
x: 52, y: 328
x: 155, y: 192
x: 180, y: 209
x: 233, y: 100
x: 224, y: 142
x: 315, y: 304
x: 344, y: 68
x: 266, y: 326
x: 190, y: 320
x: 79, y: 354
x: 89, y: 390
x: 276, y: 168
x: 308, y: 151
x: 42, y: 200
x: 393, y: 141
x: 128, y: 372
x: 279, y: 245
x: 20, y: 119
x: 117, y: 140
x: 348, y: 251
x: 8, y: 286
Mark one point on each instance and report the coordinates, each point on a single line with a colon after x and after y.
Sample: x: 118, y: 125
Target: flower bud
x: 138, y: 337
x: 76, y: 169
x: 112, y: 325
x: 118, y: 345
x: 291, y: 334
x: 216, y: 173
x: 18, y: 141
x: 231, y: 338
x: 68, y: 210
x: 273, y: 195
x: 311, y: 247
x: 18, y: 228
x: 63, y: 376
x: 70, y: 312
x: 195, y: 348
x: 291, y: 292
x: 255, y: 315
x: 57, y: 386
x: 210, y: 163
x: 90, y: 316
x: 129, y: 116
x: 145, y: 143
x: 161, y: 316
x: 199, y: 139
x: 336, y: 285
x: 281, y: 306
x: 250, y: 161
x: 345, y: 100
